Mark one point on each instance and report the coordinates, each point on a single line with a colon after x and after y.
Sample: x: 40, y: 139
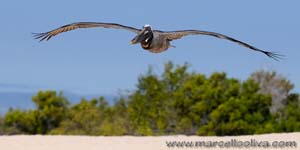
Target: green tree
x: 19, y: 121
x: 51, y: 110
x: 146, y: 106
x: 151, y: 106
x: 116, y: 119
x: 83, y: 119
x: 289, y: 121
x: 95, y: 117
x: 1, y: 125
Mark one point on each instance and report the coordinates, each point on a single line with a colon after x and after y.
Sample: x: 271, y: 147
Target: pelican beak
x: 134, y: 40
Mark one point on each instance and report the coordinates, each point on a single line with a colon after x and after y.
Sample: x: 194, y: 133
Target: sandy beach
x: 39, y: 142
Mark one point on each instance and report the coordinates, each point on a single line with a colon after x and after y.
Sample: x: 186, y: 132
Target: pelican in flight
x: 155, y: 41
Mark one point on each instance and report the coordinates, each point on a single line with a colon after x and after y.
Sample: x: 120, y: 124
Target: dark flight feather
x: 173, y: 35
x: 48, y: 35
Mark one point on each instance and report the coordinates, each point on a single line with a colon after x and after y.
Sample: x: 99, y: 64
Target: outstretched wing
x: 173, y: 35
x: 73, y: 26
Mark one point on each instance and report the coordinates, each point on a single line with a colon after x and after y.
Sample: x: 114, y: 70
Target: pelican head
x: 142, y: 35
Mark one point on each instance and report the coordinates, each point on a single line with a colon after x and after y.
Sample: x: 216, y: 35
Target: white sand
x: 39, y: 142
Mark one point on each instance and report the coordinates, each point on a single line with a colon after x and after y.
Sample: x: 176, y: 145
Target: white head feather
x: 147, y: 25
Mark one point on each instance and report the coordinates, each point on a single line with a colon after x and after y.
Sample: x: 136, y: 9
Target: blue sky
x: 101, y: 61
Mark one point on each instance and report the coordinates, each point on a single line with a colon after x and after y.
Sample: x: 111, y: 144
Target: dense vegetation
x: 176, y: 102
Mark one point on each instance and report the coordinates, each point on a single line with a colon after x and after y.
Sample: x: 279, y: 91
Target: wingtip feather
x: 275, y: 56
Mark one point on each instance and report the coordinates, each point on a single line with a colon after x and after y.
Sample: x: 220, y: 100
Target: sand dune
x: 38, y: 142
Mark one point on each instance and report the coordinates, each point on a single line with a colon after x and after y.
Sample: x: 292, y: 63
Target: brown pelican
x: 152, y: 40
